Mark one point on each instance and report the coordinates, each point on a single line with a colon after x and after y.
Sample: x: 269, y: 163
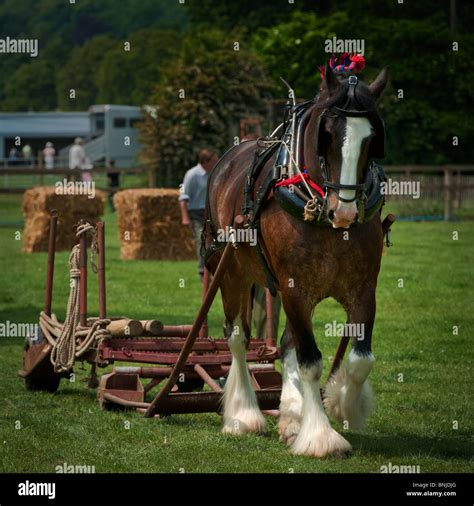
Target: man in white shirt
x: 77, y: 155
x: 192, y: 199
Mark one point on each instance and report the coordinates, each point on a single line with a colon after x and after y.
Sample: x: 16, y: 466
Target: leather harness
x: 368, y: 194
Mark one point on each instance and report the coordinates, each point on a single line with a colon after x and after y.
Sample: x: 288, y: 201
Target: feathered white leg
x: 316, y: 437
x: 348, y: 395
x: 241, y: 411
x: 291, y: 401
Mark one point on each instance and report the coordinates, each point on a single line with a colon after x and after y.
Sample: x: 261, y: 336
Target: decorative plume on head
x: 346, y: 64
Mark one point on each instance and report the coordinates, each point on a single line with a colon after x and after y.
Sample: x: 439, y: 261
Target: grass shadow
x: 408, y: 445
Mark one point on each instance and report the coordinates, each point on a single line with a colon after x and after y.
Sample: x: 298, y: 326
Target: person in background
x: 77, y: 156
x: 13, y: 156
x: 48, y: 155
x: 27, y: 158
x: 114, y: 182
x: 192, y: 199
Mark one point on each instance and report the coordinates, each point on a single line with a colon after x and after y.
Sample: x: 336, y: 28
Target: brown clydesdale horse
x: 310, y: 263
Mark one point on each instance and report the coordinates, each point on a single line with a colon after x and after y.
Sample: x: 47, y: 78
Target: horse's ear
x: 330, y: 79
x: 376, y: 87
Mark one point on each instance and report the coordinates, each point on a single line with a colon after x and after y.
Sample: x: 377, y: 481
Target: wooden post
x: 458, y: 192
x: 447, y: 194
x: 151, y: 176
x: 41, y: 166
x: 51, y: 254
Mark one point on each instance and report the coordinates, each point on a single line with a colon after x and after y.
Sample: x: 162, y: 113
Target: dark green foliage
x: 66, y: 35
x: 128, y: 77
x: 434, y: 79
x: 81, y: 46
x: 252, y: 14
x: 220, y: 86
x: 81, y: 73
x: 31, y: 86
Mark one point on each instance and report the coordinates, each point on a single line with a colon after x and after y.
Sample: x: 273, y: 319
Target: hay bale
x: 150, y: 227
x: 37, y: 205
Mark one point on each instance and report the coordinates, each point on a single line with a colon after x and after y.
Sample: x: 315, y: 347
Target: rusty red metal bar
x: 174, y: 344
x: 83, y: 279
x: 101, y: 269
x: 199, y: 402
x: 53, y: 223
x: 162, y: 396
x: 175, y: 331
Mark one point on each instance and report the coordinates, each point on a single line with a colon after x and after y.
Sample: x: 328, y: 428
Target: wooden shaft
x: 101, y: 269
x: 202, y: 313
x: 83, y: 279
x: 341, y: 350
x: 207, y: 378
x: 271, y: 338
x: 204, y: 331
x: 53, y: 223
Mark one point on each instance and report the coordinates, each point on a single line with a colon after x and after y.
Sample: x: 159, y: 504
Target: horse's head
x: 348, y: 132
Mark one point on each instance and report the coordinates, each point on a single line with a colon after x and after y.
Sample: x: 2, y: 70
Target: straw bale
x: 149, y: 222
x: 37, y: 205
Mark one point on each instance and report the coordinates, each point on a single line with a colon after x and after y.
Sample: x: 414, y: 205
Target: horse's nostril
x: 331, y: 214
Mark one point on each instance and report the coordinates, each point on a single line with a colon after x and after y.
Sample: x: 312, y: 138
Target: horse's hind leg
x: 241, y: 411
x: 348, y: 395
x: 291, y: 402
x: 316, y: 436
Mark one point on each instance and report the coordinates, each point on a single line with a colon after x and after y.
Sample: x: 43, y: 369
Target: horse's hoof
x: 336, y: 404
x: 288, y: 429
x: 244, y: 425
x: 326, y: 442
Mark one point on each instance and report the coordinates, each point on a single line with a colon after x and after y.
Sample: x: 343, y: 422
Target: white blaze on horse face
x: 357, y: 129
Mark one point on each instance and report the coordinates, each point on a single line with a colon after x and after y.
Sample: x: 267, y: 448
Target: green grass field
x: 422, y: 376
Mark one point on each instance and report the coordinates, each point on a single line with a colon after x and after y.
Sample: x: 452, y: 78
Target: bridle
x: 349, y: 109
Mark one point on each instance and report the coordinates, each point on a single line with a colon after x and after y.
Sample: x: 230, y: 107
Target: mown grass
x: 422, y: 377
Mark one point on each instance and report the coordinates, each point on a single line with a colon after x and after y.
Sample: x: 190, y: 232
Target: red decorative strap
x: 297, y: 179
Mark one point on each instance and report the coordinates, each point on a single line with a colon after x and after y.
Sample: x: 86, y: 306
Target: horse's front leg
x: 316, y: 437
x: 241, y: 411
x: 348, y: 395
x: 291, y: 401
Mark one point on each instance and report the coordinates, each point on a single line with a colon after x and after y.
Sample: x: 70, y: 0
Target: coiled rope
x: 63, y: 337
